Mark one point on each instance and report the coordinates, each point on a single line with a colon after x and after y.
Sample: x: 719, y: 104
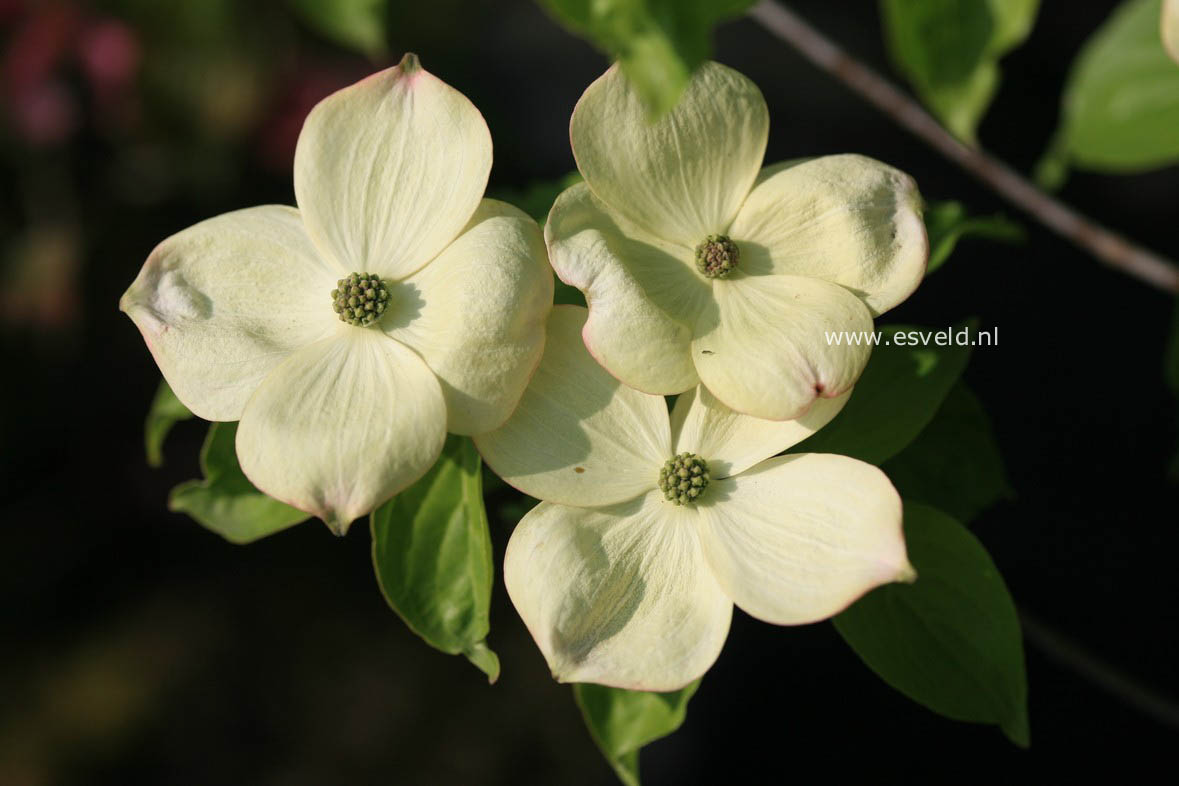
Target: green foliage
x: 950, y: 641
x: 949, y: 50
x: 537, y: 198
x: 165, y: 412
x: 896, y: 397
x: 432, y: 555
x: 658, y: 43
x: 954, y: 464
x: 225, y: 501
x: 356, y: 24
x: 623, y: 721
x: 1120, y: 108
x: 947, y: 222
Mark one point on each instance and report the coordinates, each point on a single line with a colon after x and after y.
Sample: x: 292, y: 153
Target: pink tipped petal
x: 846, y: 219
x: 343, y: 425
x: 684, y: 176
x: 389, y: 170
x: 618, y: 596
x: 476, y: 315
x: 643, y: 294
x: 798, y: 538
x: 763, y: 347
x: 223, y: 302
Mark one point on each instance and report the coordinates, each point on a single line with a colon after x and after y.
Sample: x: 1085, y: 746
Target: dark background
x: 137, y: 647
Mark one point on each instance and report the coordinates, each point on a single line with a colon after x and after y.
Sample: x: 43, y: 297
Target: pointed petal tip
x: 337, y: 526
x: 907, y: 574
x: 410, y: 64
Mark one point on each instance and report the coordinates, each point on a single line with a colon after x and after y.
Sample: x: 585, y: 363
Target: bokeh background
x: 135, y: 647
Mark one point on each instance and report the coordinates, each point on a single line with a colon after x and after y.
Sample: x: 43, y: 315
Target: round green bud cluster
x: 360, y: 298
x: 717, y: 256
x: 684, y: 478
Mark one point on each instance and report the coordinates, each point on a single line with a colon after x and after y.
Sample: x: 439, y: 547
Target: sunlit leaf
x: 659, y: 43
x: 165, y: 412
x: 225, y: 501
x: 1120, y: 108
x: 951, y: 640
x: 949, y: 50
x: 898, y: 394
x: 356, y: 24
x: 954, y: 464
x: 947, y: 223
x: 537, y: 198
x: 623, y: 721
x: 432, y: 555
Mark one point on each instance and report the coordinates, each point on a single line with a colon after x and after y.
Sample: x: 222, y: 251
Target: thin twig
x: 1113, y: 249
x: 1067, y: 654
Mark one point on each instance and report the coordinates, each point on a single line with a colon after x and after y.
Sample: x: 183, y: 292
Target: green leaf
x: 658, y: 43
x: 537, y: 198
x: 165, y: 412
x: 356, y: 24
x: 949, y: 50
x: 897, y: 395
x: 1120, y: 108
x: 432, y: 555
x: 950, y: 641
x: 954, y: 464
x: 225, y: 501
x: 623, y: 721
x: 947, y: 222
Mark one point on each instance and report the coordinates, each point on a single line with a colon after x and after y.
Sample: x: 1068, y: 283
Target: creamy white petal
x: 579, y: 437
x: 618, y: 596
x: 684, y: 176
x: 476, y: 314
x: 343, y: 425
x: 223, y: 302
x: 846, y: 219
x: 798, y: 538
x: 1169, y: 26
x: 389, y: 170
x: 762, y: 347
x: 731, y: 442
x: 644, y: 295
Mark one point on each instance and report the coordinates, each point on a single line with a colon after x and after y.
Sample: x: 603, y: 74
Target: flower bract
x: 350, y: 334
x: 701, y: 266
x: 623, y: 583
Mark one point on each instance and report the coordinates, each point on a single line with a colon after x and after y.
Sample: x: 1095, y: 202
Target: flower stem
x: 1066, y: 653
x: 1109, y: 247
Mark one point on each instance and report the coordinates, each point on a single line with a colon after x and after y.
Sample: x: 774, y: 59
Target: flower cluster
x: 245, y: 313
x: 707, y: 276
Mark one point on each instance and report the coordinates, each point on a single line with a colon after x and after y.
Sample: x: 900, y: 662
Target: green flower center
x: 684, y: 478
x: 717, y: 256
x: 360, y: 299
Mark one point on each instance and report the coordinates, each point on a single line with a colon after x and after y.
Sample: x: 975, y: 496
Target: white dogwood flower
x: 350, y: 334
x: 1169, y: 27
x: 700, y: 266
x: 651, y: 527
